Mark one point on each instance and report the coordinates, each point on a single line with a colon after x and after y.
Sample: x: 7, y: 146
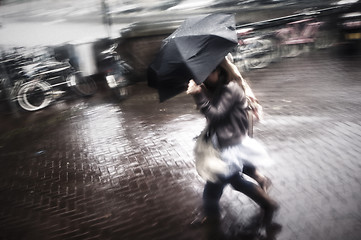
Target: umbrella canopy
x: 192, y: 51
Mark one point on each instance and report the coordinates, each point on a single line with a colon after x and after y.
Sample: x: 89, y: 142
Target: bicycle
x: 301, y: 35
x: 254, y: 50
x: 34, y: 86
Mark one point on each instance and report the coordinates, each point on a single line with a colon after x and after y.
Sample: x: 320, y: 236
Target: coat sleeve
x: 215, y: 113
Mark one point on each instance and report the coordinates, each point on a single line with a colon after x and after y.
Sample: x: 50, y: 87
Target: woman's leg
x: 257, y: 194
x: 211, y: 196
x: 250, y: 170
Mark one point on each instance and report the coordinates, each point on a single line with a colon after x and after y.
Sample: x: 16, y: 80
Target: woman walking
x: 224, y: 99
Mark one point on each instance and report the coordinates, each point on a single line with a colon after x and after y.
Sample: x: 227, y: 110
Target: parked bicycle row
x: 259, y: 47
x: 32, y: 79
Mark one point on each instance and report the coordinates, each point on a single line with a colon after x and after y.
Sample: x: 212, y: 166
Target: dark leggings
x: 248, y: 168
x: 213, y: 191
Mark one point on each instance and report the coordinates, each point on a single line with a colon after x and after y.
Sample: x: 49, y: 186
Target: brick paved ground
x: 98, y: 169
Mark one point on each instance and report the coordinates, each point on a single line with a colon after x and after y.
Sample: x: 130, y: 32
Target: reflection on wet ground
x: 100, y: 169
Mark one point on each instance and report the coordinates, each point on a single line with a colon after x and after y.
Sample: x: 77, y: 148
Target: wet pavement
x: 99, y: 169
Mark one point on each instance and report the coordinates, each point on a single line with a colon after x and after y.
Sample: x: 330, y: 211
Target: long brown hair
x: 233, y: 74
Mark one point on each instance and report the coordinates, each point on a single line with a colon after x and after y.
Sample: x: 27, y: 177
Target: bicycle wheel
x: 325, y: 39
x: 289, y: 51
x: 259, y: 54
x: 34, y: 96
x: 83, y: 86
x: 258, y: 62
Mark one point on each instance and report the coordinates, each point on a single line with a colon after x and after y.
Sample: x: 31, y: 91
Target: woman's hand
x: 193, y: 88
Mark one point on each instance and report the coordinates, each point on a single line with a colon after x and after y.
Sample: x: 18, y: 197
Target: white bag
x: 208, y: 162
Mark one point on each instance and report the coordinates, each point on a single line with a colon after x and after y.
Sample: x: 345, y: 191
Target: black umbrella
x: 192, y: 51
